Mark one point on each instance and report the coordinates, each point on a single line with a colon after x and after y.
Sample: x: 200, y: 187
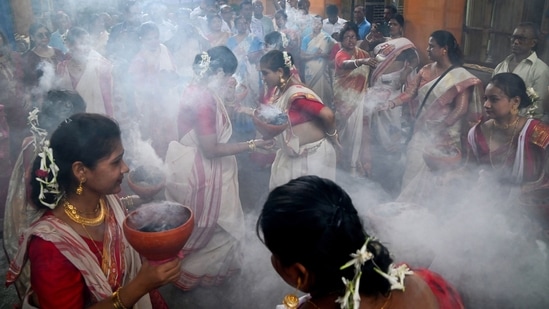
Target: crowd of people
x: 294, y: 92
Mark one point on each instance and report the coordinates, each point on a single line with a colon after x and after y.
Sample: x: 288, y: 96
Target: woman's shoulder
x: 435, y: 289
x: 418, y: 294
x: 539, y: 133
x: 197, y: 96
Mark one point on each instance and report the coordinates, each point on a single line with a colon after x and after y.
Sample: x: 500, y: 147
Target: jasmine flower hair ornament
x: 284, y: 39
x: 204, y: 64
x: 47, y: 174
x: 395, y: 276
x: 534, y: 98
x: 287, y: 59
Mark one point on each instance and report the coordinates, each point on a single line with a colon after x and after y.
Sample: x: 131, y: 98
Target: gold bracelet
x: 117, y: 303
x: 251, y: 145
x: 332, y: 134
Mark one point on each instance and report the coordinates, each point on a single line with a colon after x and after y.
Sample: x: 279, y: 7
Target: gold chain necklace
x: 77, y: 217
x: 93, y: 241
x: 509, y: 144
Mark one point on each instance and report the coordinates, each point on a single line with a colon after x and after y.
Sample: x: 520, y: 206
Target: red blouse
x: 198, y: 110
x: 303, y: 110
x: 55, y: 280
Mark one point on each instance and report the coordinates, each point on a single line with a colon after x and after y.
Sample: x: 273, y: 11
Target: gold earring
x: 282, y: 82
x: 80, y: 189
x: 291, y: 301
x: 514, y: 110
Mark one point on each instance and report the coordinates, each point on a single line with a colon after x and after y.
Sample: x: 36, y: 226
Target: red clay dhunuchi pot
x: 158, y: 231
x: 266, y: 129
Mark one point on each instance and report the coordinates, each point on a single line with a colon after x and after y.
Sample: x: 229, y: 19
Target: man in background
x: 266, y: 22
x: 388, y: 12
x: 363, y: 24
x: 333, y: 23
x: 524, y: 62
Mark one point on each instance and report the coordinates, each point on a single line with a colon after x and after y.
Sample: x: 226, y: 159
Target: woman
x: 99, y: 36
x: 62, y: 23
x: 185, y: 44
x: 20, y: 212
x: 204, y: 173
x: 14, y: 107
x: 372, y: 39
x: 335, y: 254
x: 87, y: 72
x: 352, y: 67
x: 309, y: 142
x: 245, y: 47
x: 40, y: 61
x: 399, y: 61
x: 77, y: 252
x: 293, y: 36
x: 215, y: 36
x: 277, y: 40
x: 13, y: 112
x: 443, y: 117
x: 510, y: 148
x: 154, y: 78
x: 315, y: 53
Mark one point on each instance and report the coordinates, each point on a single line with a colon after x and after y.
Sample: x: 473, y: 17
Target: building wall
x: 425, y: 16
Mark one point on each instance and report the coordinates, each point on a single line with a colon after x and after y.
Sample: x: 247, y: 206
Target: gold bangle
x: 117, y: 303
x: 251, y: 145
x: 332, y: 134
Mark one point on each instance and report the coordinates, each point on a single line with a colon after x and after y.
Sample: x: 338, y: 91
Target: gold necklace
x: 104, y: 265
x: 77, y: 217
x: 93, y: 241
x: 509, y: 144
x: 506, y: 126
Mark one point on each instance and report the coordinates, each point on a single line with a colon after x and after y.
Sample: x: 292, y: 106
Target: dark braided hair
x: 312, y: 221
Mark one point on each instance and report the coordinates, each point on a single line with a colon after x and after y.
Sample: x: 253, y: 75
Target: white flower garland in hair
x: 534, y: 97
x: 395, y: 276
x: 204, y: 64
x: 287, y: 60
x: 47, y: 164
x: 284, y: 39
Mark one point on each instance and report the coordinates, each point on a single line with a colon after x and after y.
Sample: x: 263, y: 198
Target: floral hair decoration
x: 47, y: 174
x: 204, y: 64
x: 534, y: 97
x: 395, y: 276
x: 284, y: 39
x: 287, y: 59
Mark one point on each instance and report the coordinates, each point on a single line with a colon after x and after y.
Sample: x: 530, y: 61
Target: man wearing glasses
x: 524, y: 62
